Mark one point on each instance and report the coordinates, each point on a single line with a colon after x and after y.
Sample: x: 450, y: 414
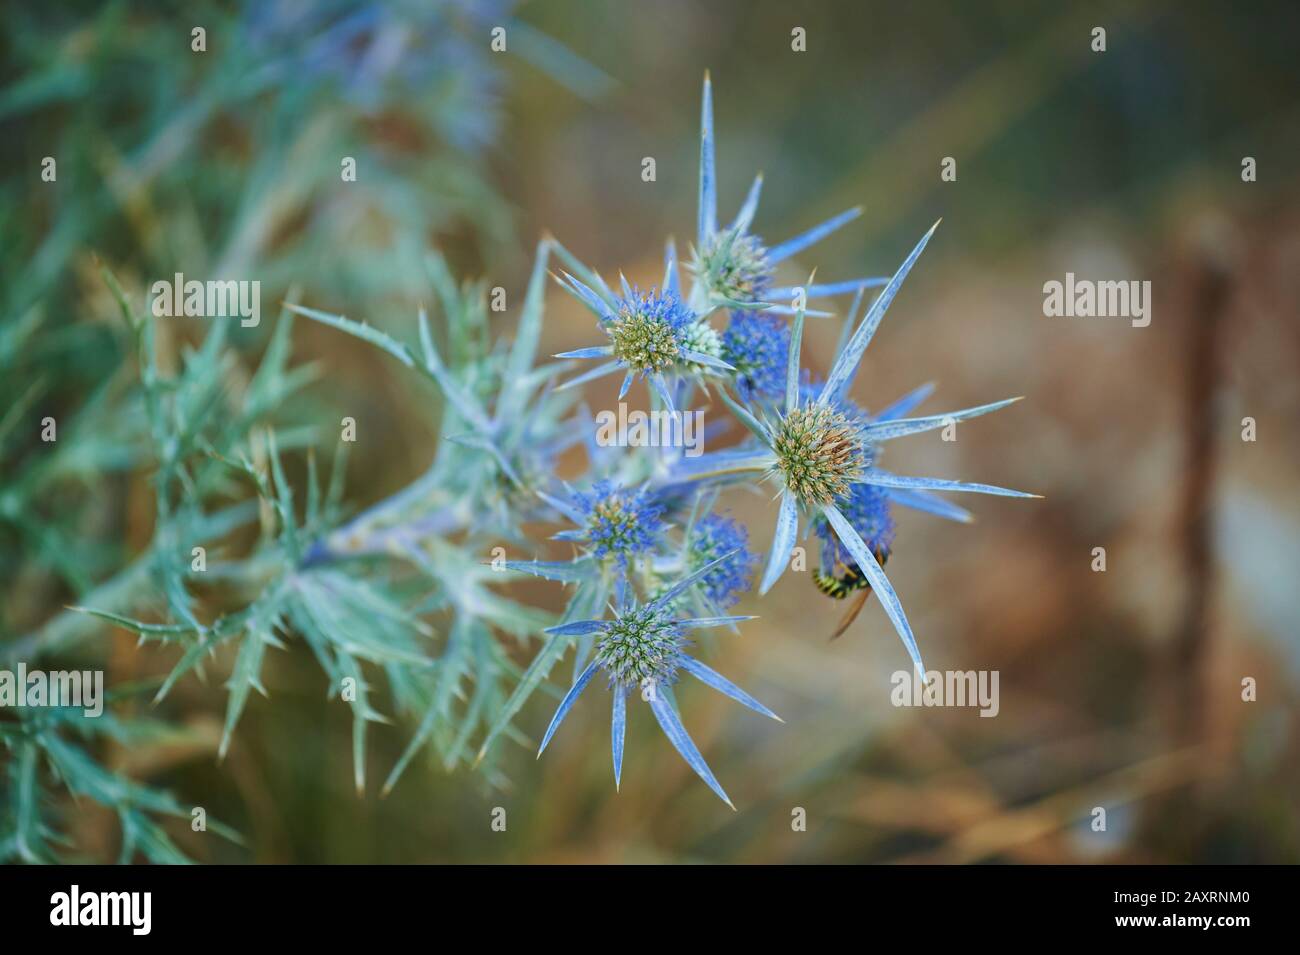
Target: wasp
x: 846, y: 579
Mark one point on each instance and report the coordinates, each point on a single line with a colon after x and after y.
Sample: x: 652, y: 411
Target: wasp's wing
x: 851, y: 614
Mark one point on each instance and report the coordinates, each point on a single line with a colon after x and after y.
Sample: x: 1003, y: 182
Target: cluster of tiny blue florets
x: 866, y: 507
x: 716, y: 536
x: 758, y: 346
x: 655, y: 305
x: 647, y: 329
x: 621, y: 522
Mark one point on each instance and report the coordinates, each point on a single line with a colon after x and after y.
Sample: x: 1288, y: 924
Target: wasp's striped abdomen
x: 839, y: 586
x: 846, y: 579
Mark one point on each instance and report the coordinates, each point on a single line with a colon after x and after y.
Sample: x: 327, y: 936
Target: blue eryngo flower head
x: 821, y: 447
x: 648, y: 330
x: 619, y: 522
x: 642, y: 651
x: 641, y: 646
x: 732, y: 266
x: 757, y: 345
x: 652, y: 334
x: 866, y: 508
x: 819, y: 453
x: 713, y: 537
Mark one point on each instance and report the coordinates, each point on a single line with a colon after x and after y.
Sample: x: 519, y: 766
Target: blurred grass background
x: 1119, y: 689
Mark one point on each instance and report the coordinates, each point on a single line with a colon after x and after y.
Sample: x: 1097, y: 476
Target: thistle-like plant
x: 651, y: 334
x: 644, y: 525
x: 641, y: 649
x: 406, y: 593
x: 810, y: 440
x: 817, y: 449
x: 731, y: 266
x: 667, y: 333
